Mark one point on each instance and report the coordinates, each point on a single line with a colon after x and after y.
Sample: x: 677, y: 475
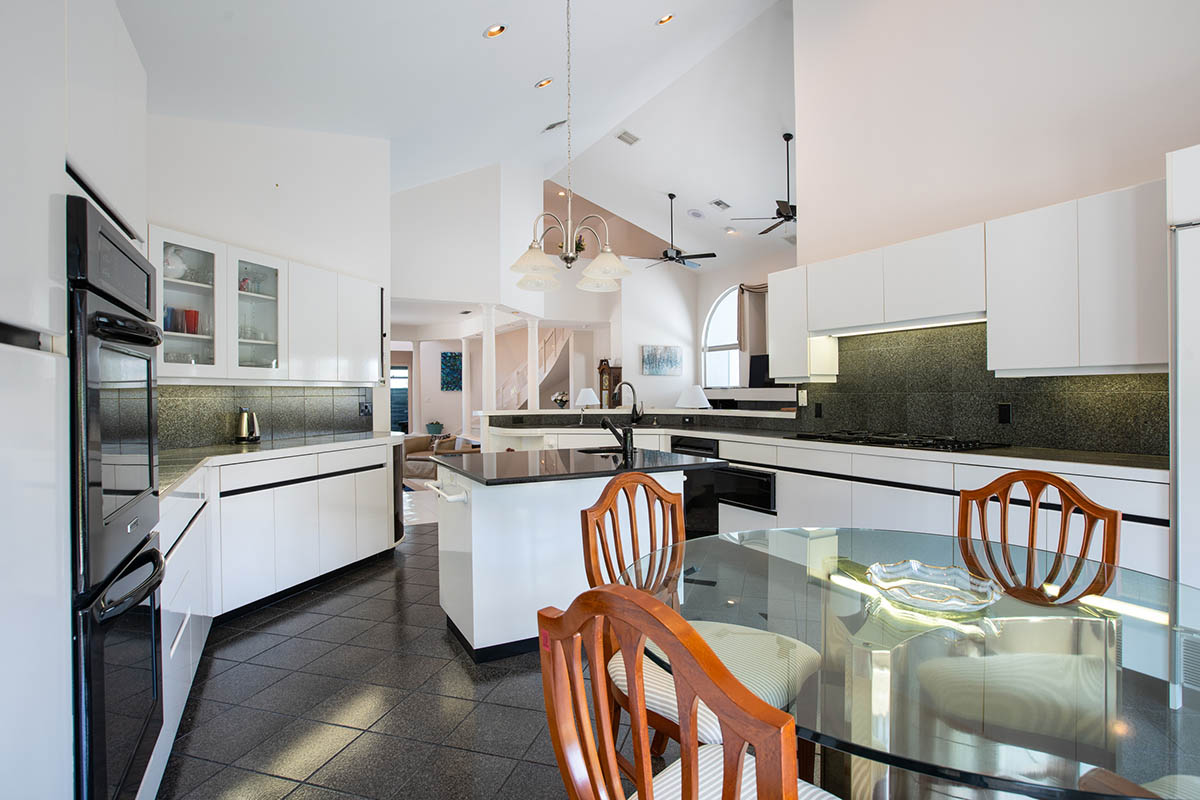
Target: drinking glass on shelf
x: 192, y: 318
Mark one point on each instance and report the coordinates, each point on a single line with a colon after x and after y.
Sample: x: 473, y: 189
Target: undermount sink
x: 596, y: 451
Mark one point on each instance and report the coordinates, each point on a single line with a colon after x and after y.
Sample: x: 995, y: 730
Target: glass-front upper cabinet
x: 191, y: 281
x: 258, y: 327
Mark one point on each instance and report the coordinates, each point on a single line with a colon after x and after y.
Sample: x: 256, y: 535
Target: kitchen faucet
x: 635, y: 412
x: 624, y: 436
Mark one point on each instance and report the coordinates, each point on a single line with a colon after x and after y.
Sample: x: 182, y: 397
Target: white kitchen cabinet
x: 1033, y: 290
x: 360, y: 330
x: 247, y: 548
x: 297, y: 536
x: 106, y: 108
x: 1123, y: 294
x: 257, y: 332
x: 794, y: 356
x: 1183, y: 190
x: 938, y: 277
x: 731, y: 519
x: 32, y: 212
x: 336, y: 500
x: 812, y: 501
x: 313, y: 336
x: 897, y: 507
x: 846, y: 292
x: 192, y: 301
x: 373, y: 523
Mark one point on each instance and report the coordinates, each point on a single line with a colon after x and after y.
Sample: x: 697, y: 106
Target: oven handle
x: 128, y: 330
x: 106, y: 610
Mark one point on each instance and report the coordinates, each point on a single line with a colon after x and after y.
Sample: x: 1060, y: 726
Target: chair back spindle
x: 1028, y: 582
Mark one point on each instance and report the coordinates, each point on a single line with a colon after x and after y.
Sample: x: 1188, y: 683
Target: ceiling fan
x: 786, y: 210
x: 673, y: 253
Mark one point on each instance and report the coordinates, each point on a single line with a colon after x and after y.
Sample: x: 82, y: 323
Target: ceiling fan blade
x: 771, y: 228
x: 751, y: 218
x: 656, y: 263
x: 785, y: 208
x: 698, y: 255
x: 690, y: 264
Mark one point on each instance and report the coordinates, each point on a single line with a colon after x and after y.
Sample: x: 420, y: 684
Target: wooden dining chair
x: 772, y: 665
x: 1103, y: 782
x: 1029, y: 584
x: 586, y: 748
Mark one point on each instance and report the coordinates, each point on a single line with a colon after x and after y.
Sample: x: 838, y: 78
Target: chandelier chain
x: 569, y: 184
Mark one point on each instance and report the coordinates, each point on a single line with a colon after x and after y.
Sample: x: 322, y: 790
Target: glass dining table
x: 1065, y: 701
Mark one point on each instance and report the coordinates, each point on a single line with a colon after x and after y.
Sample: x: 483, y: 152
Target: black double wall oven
x: 117, y: 565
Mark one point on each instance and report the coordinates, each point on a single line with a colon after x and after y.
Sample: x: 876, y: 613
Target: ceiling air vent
x: 554, y: 125
x: 628, y: 138
x: 790, y: 238
x: 719, y: 203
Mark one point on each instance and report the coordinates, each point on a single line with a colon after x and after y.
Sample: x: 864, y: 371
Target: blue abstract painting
x: 662, y: 359
x: 451, y: 372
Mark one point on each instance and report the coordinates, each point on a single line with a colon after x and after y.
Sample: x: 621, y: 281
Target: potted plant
x: 433, y: 428
x: 560, y: 399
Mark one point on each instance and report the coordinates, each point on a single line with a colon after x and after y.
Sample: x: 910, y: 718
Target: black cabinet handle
x: 106, y: 610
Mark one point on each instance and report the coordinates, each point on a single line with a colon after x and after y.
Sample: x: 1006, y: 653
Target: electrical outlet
x: 802, y: 397
x: 365, y: 409
x: 688, y: 421
x: 816, y: 411
x: 1004, y: 413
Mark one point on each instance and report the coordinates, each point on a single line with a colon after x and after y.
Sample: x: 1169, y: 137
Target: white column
x: 572, y: 378
x: 415, y: 423
x: 489, y: 358
x: 466, y: 387
x: 532, y: 372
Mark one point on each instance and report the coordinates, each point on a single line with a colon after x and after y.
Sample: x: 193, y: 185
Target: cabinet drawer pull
x: 436, y: 486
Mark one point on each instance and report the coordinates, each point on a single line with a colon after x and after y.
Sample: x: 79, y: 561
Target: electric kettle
x: 247, y: 427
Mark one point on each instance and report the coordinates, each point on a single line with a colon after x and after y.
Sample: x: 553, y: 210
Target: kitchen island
x: 509, y: 535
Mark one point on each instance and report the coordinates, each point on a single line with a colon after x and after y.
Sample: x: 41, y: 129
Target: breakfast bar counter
x: 509, y: 541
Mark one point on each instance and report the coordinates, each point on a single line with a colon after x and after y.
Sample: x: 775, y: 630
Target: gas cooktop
x: 908, y: 440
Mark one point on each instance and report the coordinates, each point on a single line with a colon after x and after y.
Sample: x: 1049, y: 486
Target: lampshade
x: 589, y: 284
x: 692, y: 397
x: 607, y: 265
x: 538, y: 282
x: 587, y: 397
x: 534, y: 261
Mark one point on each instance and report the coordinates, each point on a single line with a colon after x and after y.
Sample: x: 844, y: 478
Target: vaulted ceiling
x: 422, y: 74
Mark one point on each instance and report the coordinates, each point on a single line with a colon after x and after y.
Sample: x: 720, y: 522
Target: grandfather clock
x: 610, y: 376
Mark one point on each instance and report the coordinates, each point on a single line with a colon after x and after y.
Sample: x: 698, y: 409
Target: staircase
x: 513, y: 392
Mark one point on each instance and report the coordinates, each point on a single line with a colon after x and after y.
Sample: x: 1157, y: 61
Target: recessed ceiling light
x: 562, y: 194
x: 730, y: 230
x: 664, y: 19
x: 494, y: 31
x: 543, y: 83
x: 695, y: 213
x: 465, y: 312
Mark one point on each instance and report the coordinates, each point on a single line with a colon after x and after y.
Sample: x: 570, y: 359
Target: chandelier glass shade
x: 538, y: 282
x: 534, y: 261
x: 589, y: 284
x: 607, y: 265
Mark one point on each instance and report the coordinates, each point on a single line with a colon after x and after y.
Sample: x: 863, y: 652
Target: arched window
x: 719, y: 344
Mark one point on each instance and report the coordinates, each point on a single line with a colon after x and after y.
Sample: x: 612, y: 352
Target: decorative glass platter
x: 913, y: 584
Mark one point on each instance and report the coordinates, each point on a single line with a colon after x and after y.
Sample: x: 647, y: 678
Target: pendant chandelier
x: 539, y: 272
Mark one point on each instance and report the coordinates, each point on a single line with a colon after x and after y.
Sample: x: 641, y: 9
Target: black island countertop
x: 534, y: 466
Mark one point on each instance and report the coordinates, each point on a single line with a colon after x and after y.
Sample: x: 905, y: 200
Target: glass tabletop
x: 1048, y: 701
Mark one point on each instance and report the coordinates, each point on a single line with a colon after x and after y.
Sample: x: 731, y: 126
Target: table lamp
x: 692, y: 397
x: 587, y: 397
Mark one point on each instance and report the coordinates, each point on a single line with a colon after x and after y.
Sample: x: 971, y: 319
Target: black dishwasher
x: 699, y: 486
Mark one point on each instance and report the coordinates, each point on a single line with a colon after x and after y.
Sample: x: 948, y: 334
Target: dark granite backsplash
x: 200, y: 416
x: 936, y: 381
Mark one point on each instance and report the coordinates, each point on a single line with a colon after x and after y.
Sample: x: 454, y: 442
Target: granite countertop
x: 533, y: 466
x: 788, y: 437
x: 176, y: 464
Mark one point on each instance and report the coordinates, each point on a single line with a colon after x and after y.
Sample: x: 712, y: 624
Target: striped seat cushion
x: 668, y: 784
x: 1180, y: 787
x: 771, y: 665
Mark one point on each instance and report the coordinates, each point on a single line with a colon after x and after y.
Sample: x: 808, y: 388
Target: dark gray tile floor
x: 355, y: 688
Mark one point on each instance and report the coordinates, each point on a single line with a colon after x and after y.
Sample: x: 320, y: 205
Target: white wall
x: 657, y: 306
x: 456, y: 238
x: 445, y: 407
x: 320, y: 198
x: 926, y: 115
